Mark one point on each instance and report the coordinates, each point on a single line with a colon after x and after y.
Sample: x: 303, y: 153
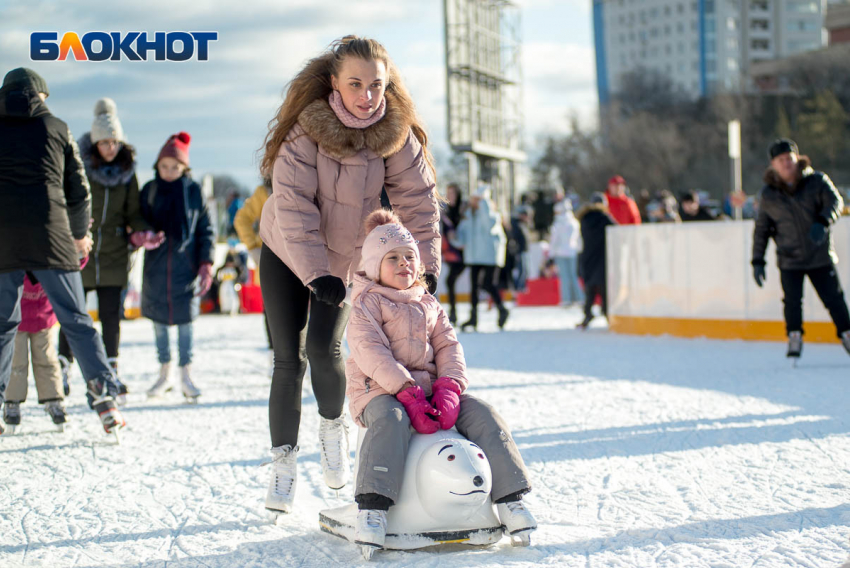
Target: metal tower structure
x: 484, y: 91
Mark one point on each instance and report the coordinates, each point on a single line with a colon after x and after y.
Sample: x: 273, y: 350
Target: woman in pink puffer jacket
x: 346, y: 130
x: 407, y: 369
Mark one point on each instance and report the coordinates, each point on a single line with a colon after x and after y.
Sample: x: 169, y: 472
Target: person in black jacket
x: 691, y: 210
x: 594, y: 219
x: 798, y: 207
x: 45, y: 210
x: 450, y: 215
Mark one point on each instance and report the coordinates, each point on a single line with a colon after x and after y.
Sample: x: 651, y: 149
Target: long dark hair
x: 126, y: 157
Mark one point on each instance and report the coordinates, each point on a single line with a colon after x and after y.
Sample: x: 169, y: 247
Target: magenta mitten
x: 418, y: 408
x: 205, y: 274
x: 446, y: 399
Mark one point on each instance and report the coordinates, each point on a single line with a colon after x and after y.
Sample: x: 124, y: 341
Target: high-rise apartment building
x: 704, y: 46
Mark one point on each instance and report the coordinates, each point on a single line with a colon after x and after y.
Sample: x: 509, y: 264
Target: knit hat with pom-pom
x: 106, y: 123
x: 384, y: 233
x: 176, y: 147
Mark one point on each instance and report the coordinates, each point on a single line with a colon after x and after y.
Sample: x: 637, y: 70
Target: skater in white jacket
x: 564, y: 249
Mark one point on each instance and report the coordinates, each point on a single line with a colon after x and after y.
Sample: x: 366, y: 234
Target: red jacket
x: 623, y: 209
x: 36, y: 311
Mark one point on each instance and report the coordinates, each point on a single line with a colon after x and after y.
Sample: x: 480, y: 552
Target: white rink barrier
x: 695, y: 280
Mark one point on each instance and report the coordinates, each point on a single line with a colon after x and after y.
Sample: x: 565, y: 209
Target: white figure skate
x: 333, y: 442
x: 282, y: 482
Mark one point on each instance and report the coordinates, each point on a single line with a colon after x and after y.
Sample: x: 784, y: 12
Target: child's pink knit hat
x: 384, y: 233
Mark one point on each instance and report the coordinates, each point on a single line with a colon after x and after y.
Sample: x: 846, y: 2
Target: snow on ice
x: 643, y: 452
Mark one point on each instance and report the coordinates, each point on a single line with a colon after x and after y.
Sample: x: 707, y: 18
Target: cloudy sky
x: 226, y: 102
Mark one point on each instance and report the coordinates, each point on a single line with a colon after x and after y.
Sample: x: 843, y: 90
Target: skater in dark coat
x: 44, y: 220
x: 450, y: 215
x: 798, y: 208
x: 594, y: 219
x: 178, y: 272
x: 111, y: 170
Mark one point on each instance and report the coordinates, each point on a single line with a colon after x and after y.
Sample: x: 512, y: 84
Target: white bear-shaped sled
x: 444, y: 497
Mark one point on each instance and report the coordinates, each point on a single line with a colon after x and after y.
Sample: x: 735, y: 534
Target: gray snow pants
x: 385, y: 444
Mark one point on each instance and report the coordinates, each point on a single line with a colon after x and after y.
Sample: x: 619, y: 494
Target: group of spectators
x: 574, y: 233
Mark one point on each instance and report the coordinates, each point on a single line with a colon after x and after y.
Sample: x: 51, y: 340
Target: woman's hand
x: 328, y: 289
x: 83, y: 245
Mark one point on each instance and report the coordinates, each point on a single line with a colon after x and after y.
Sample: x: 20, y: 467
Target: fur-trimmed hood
x: 804, y: 167
x: 591, y: 207
x: 108, y: 175
x: 385, y: 137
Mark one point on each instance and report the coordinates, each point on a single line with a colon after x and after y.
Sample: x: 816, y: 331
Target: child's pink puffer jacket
x: 397, y: 338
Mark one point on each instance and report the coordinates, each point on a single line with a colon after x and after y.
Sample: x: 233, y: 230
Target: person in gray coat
x: 798, y: 208
x: 482, y: 239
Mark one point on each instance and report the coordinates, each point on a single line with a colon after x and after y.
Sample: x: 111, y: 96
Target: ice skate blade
x: 192, y: 399
x: 521, y: 538
x: 368, y: 550
x: 12, y: 429
x: 274, y: 515
x: 60, y: 427
x: 159, y: 394
x: 121, y: 400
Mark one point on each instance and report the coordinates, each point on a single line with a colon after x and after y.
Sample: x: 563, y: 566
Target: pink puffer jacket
x: 327, y: 179
x: 397, y: 338
x: 36, y: 311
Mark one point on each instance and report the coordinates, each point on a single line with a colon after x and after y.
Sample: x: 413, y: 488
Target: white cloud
x: 560, y: 78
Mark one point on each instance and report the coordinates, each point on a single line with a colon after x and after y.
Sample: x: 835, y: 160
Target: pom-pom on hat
x: 176, y: 147
x: 106, y: 123
x: 384, y: 233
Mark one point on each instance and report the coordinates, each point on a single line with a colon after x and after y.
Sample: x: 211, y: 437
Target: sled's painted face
x: 361, y: 85
x: 400, y: 268
x: 170, y: 169
x: 453, y: 479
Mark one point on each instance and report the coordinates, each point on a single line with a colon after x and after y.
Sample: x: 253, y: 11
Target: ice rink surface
x: 643, y: 452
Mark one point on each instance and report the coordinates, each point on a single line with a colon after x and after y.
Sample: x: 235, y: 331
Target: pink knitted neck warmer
x: 351, y: 121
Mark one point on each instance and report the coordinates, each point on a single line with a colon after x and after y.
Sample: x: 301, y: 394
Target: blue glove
x: 818, y: 233
x: 759, y: 274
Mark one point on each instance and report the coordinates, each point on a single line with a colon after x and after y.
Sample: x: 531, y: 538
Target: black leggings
x: 295, y: 342
x: 828, y: 287
x: 487, y: 284
x: 455, y: 270
x: 591, y: 290
x: 109, y: 313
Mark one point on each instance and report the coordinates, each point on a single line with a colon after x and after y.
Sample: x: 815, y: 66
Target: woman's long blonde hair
x: 314, y: 82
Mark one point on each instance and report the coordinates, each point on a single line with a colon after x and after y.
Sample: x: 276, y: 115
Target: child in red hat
x: 179, y: 272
